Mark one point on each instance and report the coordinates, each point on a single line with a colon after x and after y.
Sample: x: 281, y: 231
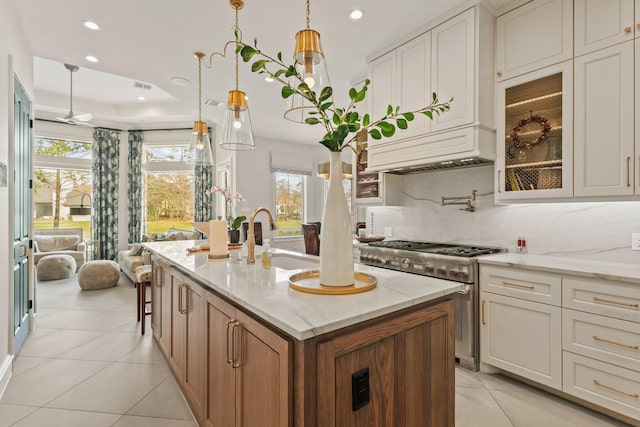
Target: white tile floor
x: 86, y: 364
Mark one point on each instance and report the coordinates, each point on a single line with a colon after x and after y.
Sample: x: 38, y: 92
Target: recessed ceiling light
x: 355, y: 14
x: 91, y: 25
x: 141, y: 98
x: 180, y: 81
x: 91, y: 58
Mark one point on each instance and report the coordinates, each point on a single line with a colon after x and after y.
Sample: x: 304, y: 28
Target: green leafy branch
x: 338, y: 123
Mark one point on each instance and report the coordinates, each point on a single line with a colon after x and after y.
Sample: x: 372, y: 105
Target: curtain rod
x: 69, y: 124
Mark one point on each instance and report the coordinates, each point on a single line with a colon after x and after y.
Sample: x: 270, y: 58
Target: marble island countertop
x: 266, y: 293
x: 558, y: 264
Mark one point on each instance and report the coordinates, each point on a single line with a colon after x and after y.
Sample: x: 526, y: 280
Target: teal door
x: 21, y: 214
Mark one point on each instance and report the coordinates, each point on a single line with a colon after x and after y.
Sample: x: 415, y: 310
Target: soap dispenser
x: 266, y: 255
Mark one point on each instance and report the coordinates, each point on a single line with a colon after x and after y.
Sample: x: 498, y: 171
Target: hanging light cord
x: 308, y: 14
x: 199, y: 88
x: 237, y: 40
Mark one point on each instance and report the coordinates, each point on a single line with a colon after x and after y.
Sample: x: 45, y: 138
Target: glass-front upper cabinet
x: 534, y: 121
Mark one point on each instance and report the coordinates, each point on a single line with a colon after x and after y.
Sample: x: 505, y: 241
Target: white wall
x: 12, y: 43
x: 254, y: 180
x: 599, y: 231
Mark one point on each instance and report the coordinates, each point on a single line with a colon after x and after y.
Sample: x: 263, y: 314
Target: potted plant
x: 234, y: 228
x: 343, y: 126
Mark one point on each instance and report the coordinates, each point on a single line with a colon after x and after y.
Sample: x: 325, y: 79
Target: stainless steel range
x: 444, y: 261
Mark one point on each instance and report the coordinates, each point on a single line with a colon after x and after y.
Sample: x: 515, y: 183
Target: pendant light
x: 200, y: 146
x: 311, y: 66
x: 236, y: 132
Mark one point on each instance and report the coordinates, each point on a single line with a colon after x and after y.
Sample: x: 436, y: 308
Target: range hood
x: 466, y: 162
x: 460, y: 148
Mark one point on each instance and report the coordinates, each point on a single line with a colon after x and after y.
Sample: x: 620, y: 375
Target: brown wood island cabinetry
x: 236, y: 369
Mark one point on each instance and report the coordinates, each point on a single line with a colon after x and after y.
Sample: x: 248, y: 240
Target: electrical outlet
x: 635, y: 241
x: 388, y: 232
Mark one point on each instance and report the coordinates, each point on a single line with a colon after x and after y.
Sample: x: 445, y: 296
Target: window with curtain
x: 290, y: 172
x: 62, y: 184
x: 168, y: 187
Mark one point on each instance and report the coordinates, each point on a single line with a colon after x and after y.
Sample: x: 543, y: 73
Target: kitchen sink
x: 292, y: 262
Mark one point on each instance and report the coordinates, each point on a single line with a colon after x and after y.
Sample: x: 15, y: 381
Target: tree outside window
x: 289, y: 194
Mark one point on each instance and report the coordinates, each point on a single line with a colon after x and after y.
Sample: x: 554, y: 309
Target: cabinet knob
x: 499, y: 73
x: 628, y: 29
x: 638, y: 25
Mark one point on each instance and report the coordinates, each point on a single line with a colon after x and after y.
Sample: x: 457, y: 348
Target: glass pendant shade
x: 200, y: 146
x: 237, y: 133
x: 312, y: 68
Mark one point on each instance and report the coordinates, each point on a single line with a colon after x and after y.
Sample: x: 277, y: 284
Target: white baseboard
x: 6, y: 369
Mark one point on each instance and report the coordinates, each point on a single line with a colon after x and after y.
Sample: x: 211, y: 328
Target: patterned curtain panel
x: 104, y: 227
x: 134, y: 191
x: 203, y: 180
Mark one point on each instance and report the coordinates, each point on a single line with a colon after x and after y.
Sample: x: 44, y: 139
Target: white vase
x: 336, y: 242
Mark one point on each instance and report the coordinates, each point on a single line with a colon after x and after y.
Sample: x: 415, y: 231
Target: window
x: 62, y: 185
x: 289, y: 192
x: 168, y: 187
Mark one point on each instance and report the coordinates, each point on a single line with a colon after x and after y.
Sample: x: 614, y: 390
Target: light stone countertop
x: 266, y: 293
x: 559, y: 264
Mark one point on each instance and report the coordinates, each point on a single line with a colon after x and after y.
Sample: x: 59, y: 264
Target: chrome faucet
x: 251, y: 236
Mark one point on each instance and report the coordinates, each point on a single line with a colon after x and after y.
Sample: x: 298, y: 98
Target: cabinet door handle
x: 608, y: 387
x: 236, y: 331
x: 227, y: 357
x: 627, y: 29
x: 608, y: 301
x: 23, y: 251
x: 632, y: 347
x: 180, y: 309
x: 499, y: 181
x: 628, y: 171
x: 483, y: 322
x: 499, y: 73
x: 515, y: 285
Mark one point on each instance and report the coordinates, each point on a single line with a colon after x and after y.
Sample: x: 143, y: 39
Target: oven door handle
x: 465, y: 290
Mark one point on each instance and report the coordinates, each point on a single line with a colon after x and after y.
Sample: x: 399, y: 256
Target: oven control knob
x: 429, y: 267
x: 383, y: 261
x: 442, y: 270
x: 405, y: 263
x: 463, y: 273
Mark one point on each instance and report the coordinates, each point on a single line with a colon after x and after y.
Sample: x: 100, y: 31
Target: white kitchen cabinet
x: 453, y: 66
x: 383, y: 89
x: 532, y: 161
x: 600, y: 24
x: 522, y: 337
x: 612, y: 387
x: 604, y: 122
x: 637, y: 98
x: 534, y: 36
x: 453, y: 59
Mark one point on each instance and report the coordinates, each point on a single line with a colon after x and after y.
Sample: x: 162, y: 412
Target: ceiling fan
x: 71, y: 118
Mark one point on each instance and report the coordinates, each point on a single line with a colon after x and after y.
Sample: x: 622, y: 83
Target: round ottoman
x: 56, y: 267
x: 99, y: 274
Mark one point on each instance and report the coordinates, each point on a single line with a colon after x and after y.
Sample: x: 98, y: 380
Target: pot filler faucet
x: 251, y: 236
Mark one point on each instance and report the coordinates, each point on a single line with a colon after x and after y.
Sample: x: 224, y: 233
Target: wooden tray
x: 369, y: 239
x: 309, y: 282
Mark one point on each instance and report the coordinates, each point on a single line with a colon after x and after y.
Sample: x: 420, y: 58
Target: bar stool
x: 143, y: 278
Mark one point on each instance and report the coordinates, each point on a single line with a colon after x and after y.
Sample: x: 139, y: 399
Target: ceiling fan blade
x: 84, y: 124
x: 83, y: 117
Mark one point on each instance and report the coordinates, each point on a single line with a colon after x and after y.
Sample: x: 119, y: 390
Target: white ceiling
x: 152, y: 41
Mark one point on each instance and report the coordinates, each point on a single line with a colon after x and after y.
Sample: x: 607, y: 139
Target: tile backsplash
x: 582, y: 229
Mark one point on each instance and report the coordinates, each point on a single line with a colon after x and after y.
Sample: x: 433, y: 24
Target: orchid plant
x: 234, y: 223
x: 343, y: 126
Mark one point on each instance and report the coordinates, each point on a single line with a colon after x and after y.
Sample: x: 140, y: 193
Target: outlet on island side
x: 388, y: 232
x: 635, y: 241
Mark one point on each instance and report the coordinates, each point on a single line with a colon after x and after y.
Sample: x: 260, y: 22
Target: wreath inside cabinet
x: 545, y: 127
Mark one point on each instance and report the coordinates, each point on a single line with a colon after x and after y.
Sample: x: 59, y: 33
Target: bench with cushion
x: 131, y: 258
x: 59, y: 241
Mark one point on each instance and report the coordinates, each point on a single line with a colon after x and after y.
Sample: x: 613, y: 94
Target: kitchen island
x: 248, y: 350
